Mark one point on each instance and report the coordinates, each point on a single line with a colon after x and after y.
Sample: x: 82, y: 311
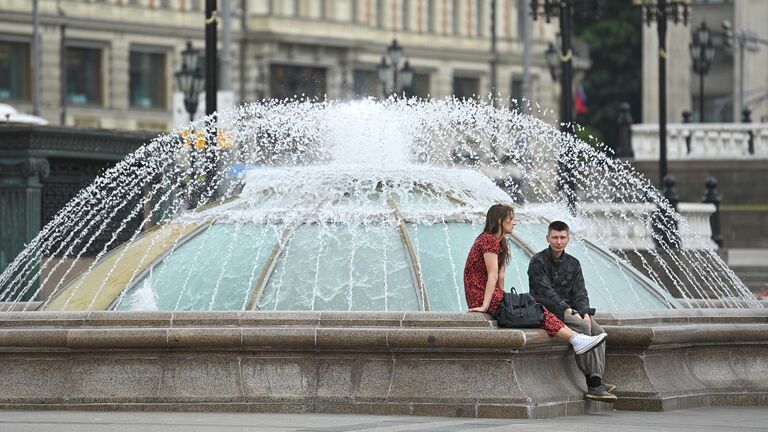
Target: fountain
x: 304, y: 241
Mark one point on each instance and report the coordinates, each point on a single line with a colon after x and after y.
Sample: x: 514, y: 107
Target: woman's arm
x: 501, y: 277
x: 492, y: 267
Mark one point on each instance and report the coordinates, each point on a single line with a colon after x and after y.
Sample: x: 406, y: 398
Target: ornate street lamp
x: 552, y: 55
x: 395, y: 53
x: 662, y: 11
x: 702, y: 53
x: 563, y: 9
x: 190, y: 79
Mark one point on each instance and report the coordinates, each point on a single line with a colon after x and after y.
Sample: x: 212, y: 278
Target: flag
x: 580, y: 101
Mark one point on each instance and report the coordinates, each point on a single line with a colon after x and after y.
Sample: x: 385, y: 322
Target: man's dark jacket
x: 558, y: 284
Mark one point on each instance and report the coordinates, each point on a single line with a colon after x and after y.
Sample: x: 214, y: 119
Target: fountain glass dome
x: 355, y: 206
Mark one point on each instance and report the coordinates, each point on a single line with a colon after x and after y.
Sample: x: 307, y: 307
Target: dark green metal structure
x: 43, y: 167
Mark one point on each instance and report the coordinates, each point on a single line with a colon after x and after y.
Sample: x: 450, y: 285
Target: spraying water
x: 353, y: 206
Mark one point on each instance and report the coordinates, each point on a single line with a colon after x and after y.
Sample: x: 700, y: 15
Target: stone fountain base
x: 441, y: 364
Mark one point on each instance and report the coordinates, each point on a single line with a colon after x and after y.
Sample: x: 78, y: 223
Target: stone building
x: 110, y: 63
x: 724, y: 80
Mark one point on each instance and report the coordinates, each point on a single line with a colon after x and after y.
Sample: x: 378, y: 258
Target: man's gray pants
x: 591, y: 363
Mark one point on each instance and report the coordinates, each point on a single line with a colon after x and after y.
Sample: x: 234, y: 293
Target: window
x: 147, y: 87
x: 516, y: 90
x: 466, y: 87
x: 300, y: 81
x: 420, y: 85
x: 84, y: 76
x: 717, y: 108
x: 366, y: 83
x: 15, y: 71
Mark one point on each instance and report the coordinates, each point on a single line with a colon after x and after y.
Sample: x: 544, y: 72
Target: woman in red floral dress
x: 484, y: 277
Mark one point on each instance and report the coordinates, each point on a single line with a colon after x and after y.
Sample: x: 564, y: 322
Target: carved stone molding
x: 38, y: 168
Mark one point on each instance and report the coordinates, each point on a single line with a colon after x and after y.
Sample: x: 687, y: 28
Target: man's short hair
x: 557, y: 226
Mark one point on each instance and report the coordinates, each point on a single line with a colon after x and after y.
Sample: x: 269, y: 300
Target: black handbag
x: 519, y: 311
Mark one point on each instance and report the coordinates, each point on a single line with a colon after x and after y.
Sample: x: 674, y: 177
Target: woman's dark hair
x: 496, y: 214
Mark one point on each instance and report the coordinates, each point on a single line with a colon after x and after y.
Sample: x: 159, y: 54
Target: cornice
x: 48, y: 141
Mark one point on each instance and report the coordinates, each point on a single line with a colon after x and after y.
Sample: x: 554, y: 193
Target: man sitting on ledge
x: 556, y: 281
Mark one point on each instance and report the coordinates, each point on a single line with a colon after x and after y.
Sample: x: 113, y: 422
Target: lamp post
x: 211, y: 82
x: 661, y: 11
x: 702, y: 53
x: 189, y: 79
x: 395, y: 53
x: 552, y: 56
x: 564, y: 57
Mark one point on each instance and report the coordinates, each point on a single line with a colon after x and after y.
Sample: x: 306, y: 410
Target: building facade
x: 726, y: 79
x: 110, y: 63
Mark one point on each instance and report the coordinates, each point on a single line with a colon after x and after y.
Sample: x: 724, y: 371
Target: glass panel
x: 516, y: 274
x: 14, y: 71
x: 334, y: 267
x: 442, y: 250
x: 216, y: 270
x: 424, y: 203
x: 147, y: 80
x: 610, y: 287
x: 97, y: 289
x: 84, y: 76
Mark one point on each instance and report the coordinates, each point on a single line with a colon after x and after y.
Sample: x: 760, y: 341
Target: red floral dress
x: 476, y: 276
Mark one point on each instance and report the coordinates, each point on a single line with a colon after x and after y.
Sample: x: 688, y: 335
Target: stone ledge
x: 353, y: 319
x: 385, y: 363
x: 246, y: 319
x: 270, y: 338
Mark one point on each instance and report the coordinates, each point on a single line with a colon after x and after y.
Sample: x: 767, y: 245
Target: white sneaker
x: 582, y: 343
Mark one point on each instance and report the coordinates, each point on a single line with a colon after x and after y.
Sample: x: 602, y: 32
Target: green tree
x: 615, y: 47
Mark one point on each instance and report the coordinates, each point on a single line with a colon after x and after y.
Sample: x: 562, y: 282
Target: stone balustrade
x: 696, y: 141
x: 414, y: 363
x: 628, y: 226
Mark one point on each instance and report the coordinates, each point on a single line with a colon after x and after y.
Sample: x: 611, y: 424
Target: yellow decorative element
x: 214, y: 18
x: 662, y: 53
x: 185, y: 138
x: 198, y: 140
x: 100, y: 286
x: 567, y: 57
x: 224, y: 140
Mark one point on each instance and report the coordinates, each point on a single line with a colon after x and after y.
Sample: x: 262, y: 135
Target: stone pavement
x: 700, y: 419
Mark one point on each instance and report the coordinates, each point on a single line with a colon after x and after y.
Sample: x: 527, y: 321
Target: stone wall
x: 741, y: 183
x: 444, y: 364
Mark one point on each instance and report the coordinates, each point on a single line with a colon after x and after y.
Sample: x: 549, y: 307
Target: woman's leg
x: 565, y: 334
x: 555, y: 327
